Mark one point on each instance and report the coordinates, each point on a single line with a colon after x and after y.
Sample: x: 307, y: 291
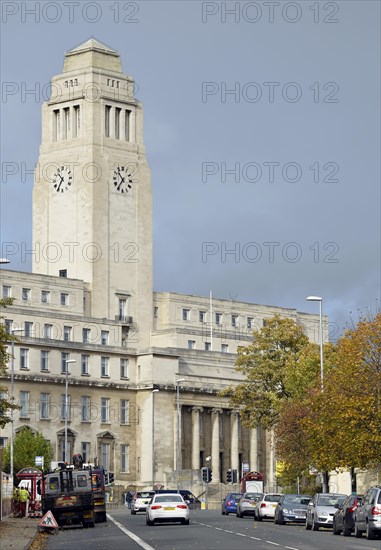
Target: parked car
x: 141, y: 501
x: 292, y: 509
x: 344, y: 517
x: 229, y: 504
x: 321, y: 510
x: 368, y: 514
x: 193, y: 502
x: 246, y: 506
x: 265, y: 507
x: 167, y: 507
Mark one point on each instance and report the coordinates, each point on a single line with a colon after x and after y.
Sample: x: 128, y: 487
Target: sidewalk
x: 19, y: 533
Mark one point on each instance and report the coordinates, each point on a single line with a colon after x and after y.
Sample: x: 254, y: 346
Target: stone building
x: 87, y: 314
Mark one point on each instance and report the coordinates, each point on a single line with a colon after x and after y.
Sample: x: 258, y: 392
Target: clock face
x: 122, y: 179
x: 62, y: 179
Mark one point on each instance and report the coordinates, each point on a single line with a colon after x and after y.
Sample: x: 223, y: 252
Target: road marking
x: 130, y: 534
x: 255, y: 538
x: 274, y: 543
x: 291, y: 548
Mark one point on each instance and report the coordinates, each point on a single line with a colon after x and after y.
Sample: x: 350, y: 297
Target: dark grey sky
x: 301, y: 131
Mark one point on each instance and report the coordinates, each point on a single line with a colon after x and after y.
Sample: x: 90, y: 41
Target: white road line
x: 255, y: 538
x: 132, y: 536
x: 274, y: 543
x: 291, y: 548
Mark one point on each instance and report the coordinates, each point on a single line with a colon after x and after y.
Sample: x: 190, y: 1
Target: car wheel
x: 315, y: 526
x: 308, y: 525
x: 346, y: 530
x: 259, y: 518
x: 222, y: 512
x: 334, y: 530
x: 133, y: 512
x: 358, y: 533
x: 148, y: 521
x: 369, y: 533
x: 186, y: 522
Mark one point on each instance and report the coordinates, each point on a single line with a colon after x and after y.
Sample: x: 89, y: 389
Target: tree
x: 27, y: 445
x: 5, y: 404
x: 279, y: 366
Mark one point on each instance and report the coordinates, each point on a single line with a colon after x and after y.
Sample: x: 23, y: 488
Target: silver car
x: 321, y: 510
x: 368, y: 514
x: 246, y: 506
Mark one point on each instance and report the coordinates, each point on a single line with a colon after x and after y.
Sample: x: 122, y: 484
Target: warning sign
x: 48, y: 521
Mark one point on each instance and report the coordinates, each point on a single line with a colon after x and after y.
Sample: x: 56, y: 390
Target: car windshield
x: 168, y: 498
x: 252, y: 496
x: 297, y: 499
x: 144, y: 494
x: 234, y: 496
x: 272, y: 498
x: 330, y: 500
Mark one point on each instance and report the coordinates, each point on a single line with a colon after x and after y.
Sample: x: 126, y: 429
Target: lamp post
x: 12, y: 396
x: 320, y: 300
x: 153, y: 438
x: 178, y: 447
x: 66, y: 400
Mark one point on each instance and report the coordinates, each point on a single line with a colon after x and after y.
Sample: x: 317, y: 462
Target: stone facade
x: 90, y: 300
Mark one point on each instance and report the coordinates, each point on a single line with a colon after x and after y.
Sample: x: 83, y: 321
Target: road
x: 208, y: 530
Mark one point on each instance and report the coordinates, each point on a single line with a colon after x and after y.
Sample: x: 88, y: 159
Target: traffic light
x: 204, y: 472
x: 106, y: 477
x: 209, y: 475
x: 229, y: 476
x: 111, y: 477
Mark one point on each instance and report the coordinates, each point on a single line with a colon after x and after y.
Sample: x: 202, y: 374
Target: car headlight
x: 323, y: 514
x: 286, y: 511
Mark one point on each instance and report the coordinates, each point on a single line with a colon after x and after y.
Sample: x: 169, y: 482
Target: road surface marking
x: 130, y: 534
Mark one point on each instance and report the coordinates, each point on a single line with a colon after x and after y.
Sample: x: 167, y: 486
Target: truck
x: 252, y: 482
x: 69, y: 495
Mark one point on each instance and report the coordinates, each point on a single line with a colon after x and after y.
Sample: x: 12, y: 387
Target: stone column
x: 234, y: 448
x: 216, y: 444
x: 254, y: 450
x: 196, y: 437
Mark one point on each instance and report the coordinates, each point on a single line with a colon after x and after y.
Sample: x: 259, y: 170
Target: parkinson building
x: 143, y: 369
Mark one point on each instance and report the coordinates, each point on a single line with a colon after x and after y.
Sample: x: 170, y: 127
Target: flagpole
x: 211, y: 320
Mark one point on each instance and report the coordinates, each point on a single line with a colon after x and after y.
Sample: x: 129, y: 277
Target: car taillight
x: 263, y: 505
x: 155, y: 507
x: 376, y: 510
x: 229, y: 503
x: 183, y: 506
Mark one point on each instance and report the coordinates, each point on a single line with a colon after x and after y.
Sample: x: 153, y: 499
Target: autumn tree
x: 27, y: 445
x: 5, y: 404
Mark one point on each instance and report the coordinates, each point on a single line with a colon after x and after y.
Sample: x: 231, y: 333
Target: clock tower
x: 92, y: 203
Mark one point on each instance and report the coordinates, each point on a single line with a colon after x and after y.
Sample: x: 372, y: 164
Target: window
x: 122, y: 309
x: 85, y: 365
x: 7, y: 291
x: 105, y: 455
x: 67, y: 333
x: 66, y: 115
x: 8, y: 325
x: 64, y: 358
x: 45, y: 296
x: 76, y: 121
x: 208, y: 346
x: 124, y: 411
x: 186, y: 314
x: 44, y: 406
x: 191, y: 344
x: 124, y: 368
x: 107, y: 120
x: 124, y: 458
x: 44, y: 361
x: 234, y: 320
x: 250, y: 323
x: 24, y: 358
x: 218, y: 318
x: 104, y: 337
x: 85, y: 335
x: 105, y: 413
x: 65, y: 407
x: 56, y: 124
x: 127, y: 125
x: 224, y: 348
x: 24, y: 404
x: 85, y: 451
x: 104, y: 366
x: 202, y: 316
x: 64, y: 300
x: 48, y: 331
x: 155, y: 312
x: 28, y: 328
x: 25, y: 294
x: 62, y: 273
x: 85, y: 408
x: 117, y: 122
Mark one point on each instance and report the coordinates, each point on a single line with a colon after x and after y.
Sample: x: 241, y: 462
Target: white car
x: 141, y: 501
x: 266, y: 506
x: 167, y: 507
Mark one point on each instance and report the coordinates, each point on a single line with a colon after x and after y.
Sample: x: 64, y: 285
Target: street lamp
x: 178, y: 448
x: 66, y: 401
x: 320, y: 300
x: 12, y: 396
x: 153, y: 438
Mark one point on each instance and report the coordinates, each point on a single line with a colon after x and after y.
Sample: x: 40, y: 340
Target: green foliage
x: 27, y: 445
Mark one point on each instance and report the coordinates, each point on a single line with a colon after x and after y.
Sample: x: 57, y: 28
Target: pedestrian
x: 16, y: 502
x: 129, y: 499
x: 24, y: 497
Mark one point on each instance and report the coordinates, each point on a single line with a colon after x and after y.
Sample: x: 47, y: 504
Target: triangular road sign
x: 48, y: 521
